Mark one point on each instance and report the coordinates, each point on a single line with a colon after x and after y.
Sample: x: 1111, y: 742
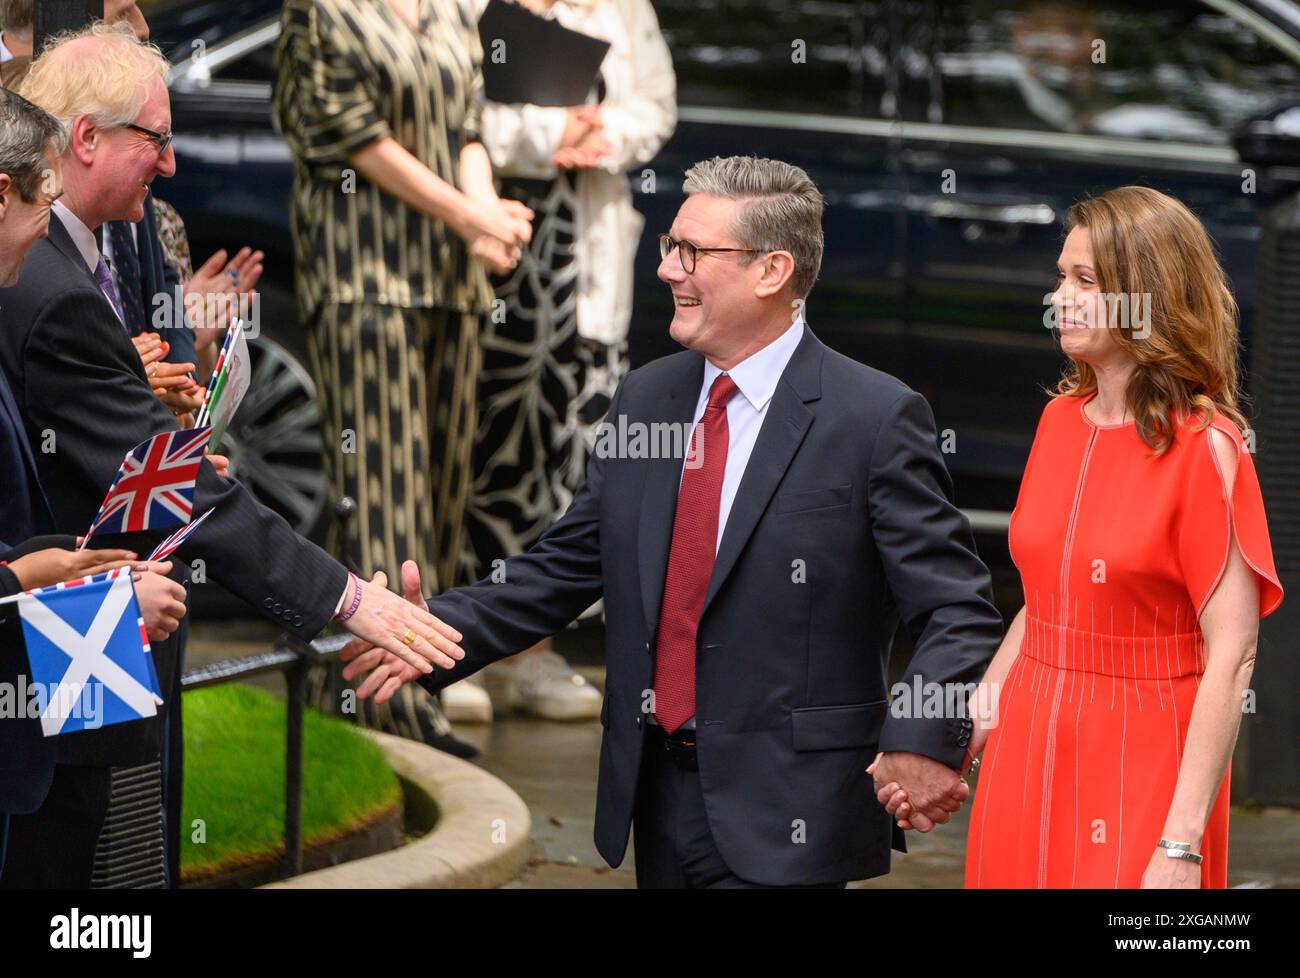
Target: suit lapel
x: 787, y: 422
x: 784, y: 428
x: 62, y: 240
x: 659, y: 495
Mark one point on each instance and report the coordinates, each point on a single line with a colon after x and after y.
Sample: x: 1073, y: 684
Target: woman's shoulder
x: 1220, y: 435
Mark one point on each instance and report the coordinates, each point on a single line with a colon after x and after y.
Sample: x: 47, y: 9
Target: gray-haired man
x: 751, y: 590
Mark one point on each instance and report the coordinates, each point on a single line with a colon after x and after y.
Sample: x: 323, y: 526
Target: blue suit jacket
x: 26, y: 757
x: 843, y: 524
x: 24, y: 511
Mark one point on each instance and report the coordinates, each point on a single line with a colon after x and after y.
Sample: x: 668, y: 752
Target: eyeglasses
x: 160, y: 139
x: 688, y: 252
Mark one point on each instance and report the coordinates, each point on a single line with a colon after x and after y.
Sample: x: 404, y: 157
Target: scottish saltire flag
x: 164, y: 549
x: 88, y: 649
x: 155, y: 485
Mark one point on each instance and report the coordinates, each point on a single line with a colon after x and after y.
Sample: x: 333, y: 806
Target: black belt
x: 679, y: 745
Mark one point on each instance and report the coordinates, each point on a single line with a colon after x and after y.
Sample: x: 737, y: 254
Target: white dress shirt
x: 756, y: 377
x: 5, y: 53
x: 87, y: 246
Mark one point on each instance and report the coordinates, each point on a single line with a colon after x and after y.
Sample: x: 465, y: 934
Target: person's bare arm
x: 1230, y: 624
x: 386, y: 163
x: 389, y: 165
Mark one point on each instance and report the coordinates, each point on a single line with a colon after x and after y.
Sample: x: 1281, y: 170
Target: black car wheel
x: 274, y: 440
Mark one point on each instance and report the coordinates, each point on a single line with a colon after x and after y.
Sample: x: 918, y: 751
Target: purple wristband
x: 356, y: 599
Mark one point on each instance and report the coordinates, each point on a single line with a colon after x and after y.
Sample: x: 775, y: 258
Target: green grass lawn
x: 234, y: 777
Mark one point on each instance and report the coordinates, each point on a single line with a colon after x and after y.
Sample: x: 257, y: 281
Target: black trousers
x: 54, y: 847
x: 670, y: 831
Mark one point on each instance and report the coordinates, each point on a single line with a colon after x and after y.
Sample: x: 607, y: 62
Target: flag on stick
x: 154, y: 486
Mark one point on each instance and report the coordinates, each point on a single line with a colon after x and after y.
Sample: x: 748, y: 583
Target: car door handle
x: 953, y: 210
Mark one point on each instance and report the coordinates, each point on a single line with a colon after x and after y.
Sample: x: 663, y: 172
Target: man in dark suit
x: 30, y: 145
x: 85, y: 398
x: 752, y: 592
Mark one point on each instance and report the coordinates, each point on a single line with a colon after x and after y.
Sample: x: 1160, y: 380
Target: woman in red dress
x: 1108, y: 717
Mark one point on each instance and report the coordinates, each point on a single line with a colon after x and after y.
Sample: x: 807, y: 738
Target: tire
x: 274, y: 439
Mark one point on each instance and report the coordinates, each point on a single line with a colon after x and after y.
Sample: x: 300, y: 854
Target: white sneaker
x: 544, y: 685
x: 467, y: 702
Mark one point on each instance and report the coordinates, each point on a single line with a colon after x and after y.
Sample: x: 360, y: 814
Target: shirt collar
x: 759, y: 373
x: 5, y: 53
x: 82, y: 236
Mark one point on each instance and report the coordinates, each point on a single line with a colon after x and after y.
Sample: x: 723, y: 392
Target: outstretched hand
x: 385, y: 670
x: 917, y: 790
x: 403, y: 629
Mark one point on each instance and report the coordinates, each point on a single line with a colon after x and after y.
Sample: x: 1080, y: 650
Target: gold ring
x: 409, y: 637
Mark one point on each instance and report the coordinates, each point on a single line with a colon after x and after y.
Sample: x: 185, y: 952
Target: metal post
x: 54, y: 16
x: 296, y: 679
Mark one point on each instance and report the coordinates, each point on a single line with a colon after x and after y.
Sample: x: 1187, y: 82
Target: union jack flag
x: 154, y: 487
x: 165, y: 549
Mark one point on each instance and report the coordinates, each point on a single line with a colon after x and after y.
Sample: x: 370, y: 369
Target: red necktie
x: 690, y: 560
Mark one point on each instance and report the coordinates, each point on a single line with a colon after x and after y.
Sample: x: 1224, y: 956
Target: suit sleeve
x: 535, y: 594
x: 941, y: 587
x: 85, y: 382
x: 9, y: 583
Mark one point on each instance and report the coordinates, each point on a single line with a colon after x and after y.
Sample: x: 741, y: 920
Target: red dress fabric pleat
x: 1118, y: 552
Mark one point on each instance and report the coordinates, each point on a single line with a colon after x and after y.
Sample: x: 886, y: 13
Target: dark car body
x: 949, y: 139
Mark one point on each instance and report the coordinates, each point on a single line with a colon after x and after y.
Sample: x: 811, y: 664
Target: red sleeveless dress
x: 1118, y: 553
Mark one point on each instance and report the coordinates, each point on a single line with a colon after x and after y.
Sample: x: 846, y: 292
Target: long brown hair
x: 1147, y: 244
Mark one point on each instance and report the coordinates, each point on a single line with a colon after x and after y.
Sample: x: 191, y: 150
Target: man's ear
x: 7, y: 190
x: 84, y: 138
x: 778, y: 269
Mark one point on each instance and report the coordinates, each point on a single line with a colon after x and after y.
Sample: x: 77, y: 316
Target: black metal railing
x: 293, y: 658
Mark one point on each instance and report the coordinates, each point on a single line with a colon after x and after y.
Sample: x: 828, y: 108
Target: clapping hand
x: 399, y: 631
x: 219, y: 291
x: 171, y: 382
x: 917, y: 790
x: 385, y: 672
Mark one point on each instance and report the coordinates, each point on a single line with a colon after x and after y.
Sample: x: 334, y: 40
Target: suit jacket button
x: 277, y: 609
x: 638, y: 721
x: 297, y: 621
x: 267, y: 603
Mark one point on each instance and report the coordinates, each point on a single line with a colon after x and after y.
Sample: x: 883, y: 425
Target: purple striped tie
x: 105, y: 280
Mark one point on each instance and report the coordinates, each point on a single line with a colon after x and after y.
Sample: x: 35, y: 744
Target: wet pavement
x: 552, y: 766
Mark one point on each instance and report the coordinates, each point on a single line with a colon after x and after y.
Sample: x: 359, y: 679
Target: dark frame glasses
x: 684, y: 248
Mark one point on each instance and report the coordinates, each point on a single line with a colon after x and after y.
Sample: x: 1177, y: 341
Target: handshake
x: 398, y: 640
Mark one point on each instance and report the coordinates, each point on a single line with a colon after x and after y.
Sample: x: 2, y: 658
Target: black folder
x: 544, y: 63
